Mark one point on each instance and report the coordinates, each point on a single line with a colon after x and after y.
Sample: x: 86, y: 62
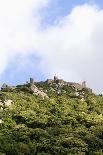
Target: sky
x: 41, y: 38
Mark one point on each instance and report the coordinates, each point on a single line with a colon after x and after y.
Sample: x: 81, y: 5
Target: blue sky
x: 34, y: 42
x: 55, y: 10
x: 61, y: 8
x: 17, y: 72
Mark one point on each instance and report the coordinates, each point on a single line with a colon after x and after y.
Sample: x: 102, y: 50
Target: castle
x: 76, y: 86
x: 58, y: 82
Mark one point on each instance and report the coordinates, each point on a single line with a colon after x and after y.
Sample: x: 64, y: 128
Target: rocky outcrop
x: 49, y: 81
x: 1, y: 121
x: 6, y: 103
x: 38, y: 92
x: 5, y: 87
x: 76, y: 86
x: 55, y: 84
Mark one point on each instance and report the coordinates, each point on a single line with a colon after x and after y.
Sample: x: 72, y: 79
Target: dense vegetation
x: 59, y: 125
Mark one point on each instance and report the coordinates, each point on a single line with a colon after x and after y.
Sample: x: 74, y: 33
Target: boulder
x: 1, y: 121
x: 7, y: 102
x: 38, y: 92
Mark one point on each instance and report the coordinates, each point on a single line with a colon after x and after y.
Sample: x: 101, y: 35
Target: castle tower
x: 84, y: 84
x: 55, y: 78
x: 31, y: 80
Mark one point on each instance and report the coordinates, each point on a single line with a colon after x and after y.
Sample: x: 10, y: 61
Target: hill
x: 53, y: 117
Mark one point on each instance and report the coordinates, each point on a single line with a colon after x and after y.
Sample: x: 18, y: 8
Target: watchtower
x: 55, y: 78
x: 31, y: 80
x: 84, y: 84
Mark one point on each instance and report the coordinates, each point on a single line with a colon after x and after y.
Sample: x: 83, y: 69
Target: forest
x: 60, y: 124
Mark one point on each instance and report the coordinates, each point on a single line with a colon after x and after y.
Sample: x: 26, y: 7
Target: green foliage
x: 60, y: 125
x: 24, y: 88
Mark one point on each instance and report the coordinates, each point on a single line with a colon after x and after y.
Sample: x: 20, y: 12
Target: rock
x: 45, y: 91
x: 76, y: 94
x: 4, y: 86
x: 7, y: 102
x: 38, y: 92
x: 58, y: 92
x: 82, y: 99
x: 1, y: 121
x: 1, y: 108
x: 1, y: 103
x: 81, y: 96
x: 83, y: 112
x: 40, y: 89
x: 49, y: 81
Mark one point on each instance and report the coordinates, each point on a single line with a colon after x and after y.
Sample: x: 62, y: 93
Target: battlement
x: 55, y: 80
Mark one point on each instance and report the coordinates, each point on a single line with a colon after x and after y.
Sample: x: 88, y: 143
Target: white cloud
x: 19, y: 22
x: 72, y: 48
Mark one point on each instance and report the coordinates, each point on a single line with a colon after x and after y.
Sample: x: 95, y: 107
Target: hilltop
x: 51, y: 117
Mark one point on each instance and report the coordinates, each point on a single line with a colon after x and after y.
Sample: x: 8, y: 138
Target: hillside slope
x: 50, y: 118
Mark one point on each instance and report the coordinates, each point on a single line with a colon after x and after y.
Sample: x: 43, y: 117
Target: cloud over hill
x: 71, y: 48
